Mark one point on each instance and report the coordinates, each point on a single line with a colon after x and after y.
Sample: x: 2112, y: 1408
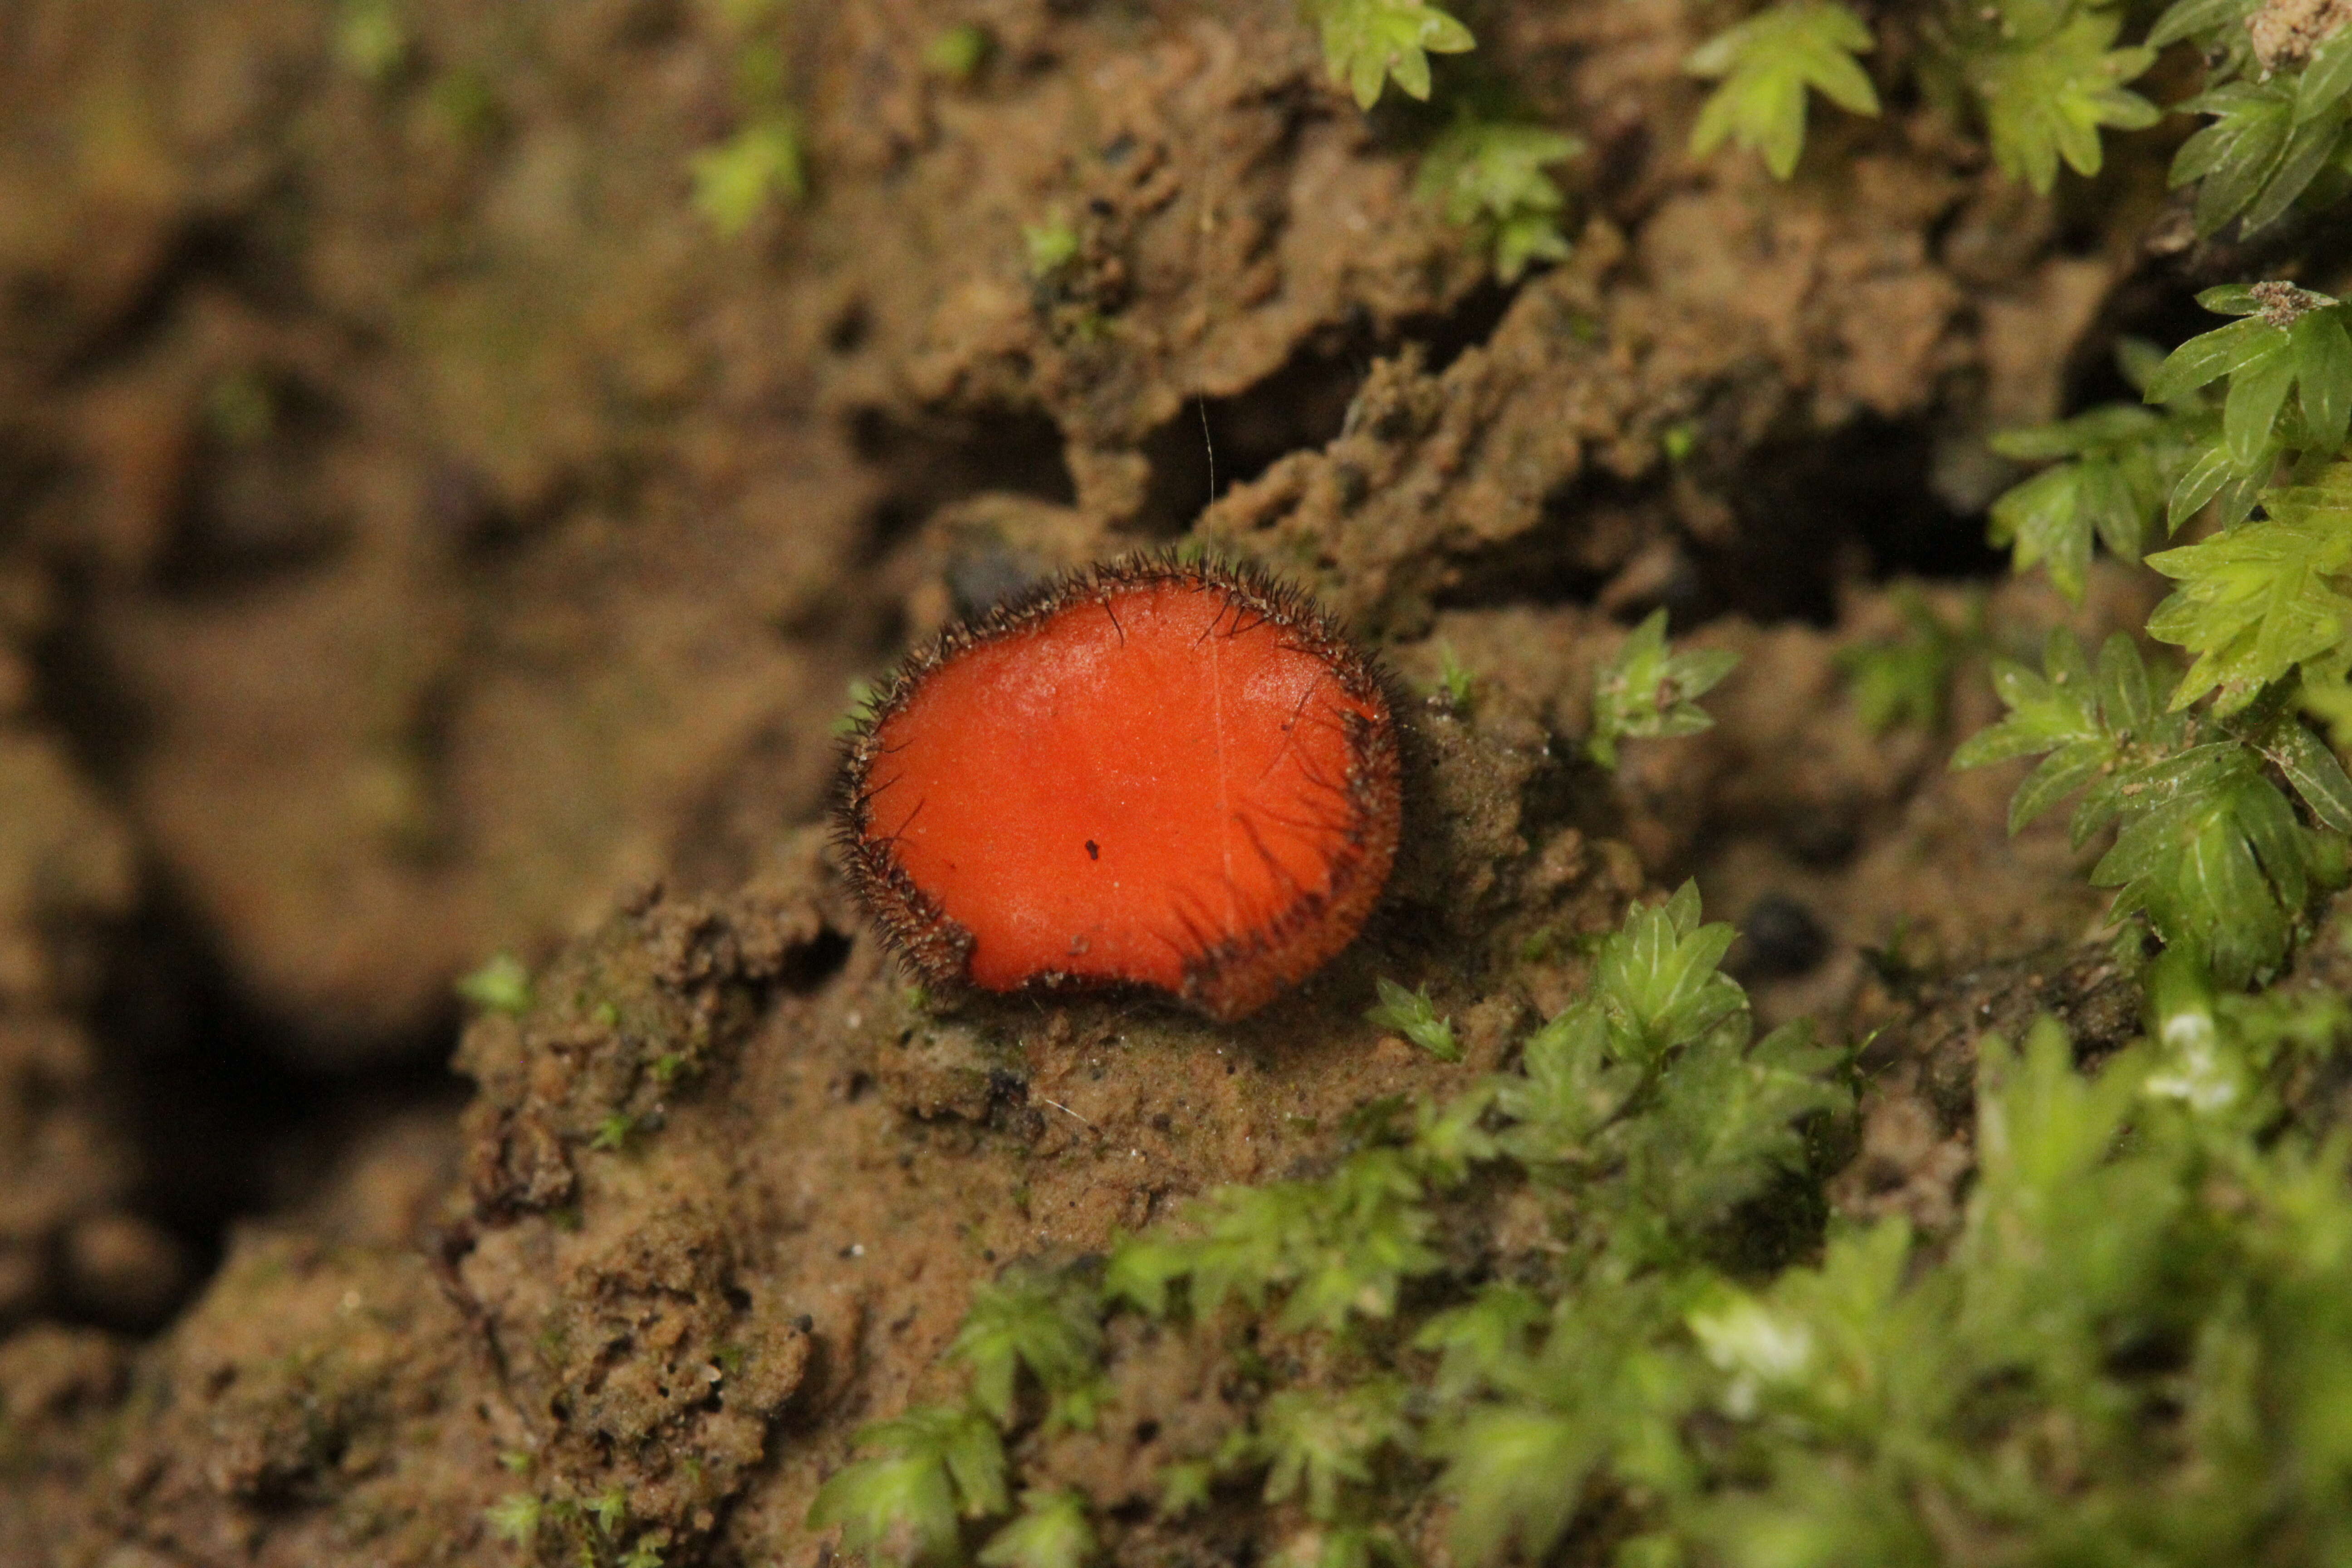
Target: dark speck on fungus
x: 1148, y: 774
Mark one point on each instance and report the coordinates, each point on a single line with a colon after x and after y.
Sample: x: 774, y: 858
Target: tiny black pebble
x: 1782, y: 937
x: 1093, y: 850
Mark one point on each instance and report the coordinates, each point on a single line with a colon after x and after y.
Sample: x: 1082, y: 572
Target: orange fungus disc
x: 1149, y: 774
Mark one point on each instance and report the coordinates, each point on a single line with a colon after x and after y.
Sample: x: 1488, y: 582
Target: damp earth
x: 426, y: 535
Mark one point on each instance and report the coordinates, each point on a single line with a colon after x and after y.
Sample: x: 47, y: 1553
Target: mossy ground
x: 422, y: 533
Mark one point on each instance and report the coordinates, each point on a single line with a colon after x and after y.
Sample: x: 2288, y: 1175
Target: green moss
x: 958, y: 52
x: 2208, y: 845
x: 1766, y: 66
x: 1325, y: 1254
x: 2212, y: 847
x: 2137, y: 1239
x: 2265, y: 600
x: 2046, y: 92
x: 2112, y: 468
x: 1050, y: 246
x: 1454, y: 679
x: 1413, y: 1015
x: 930, y: 1468
x: 1648, y: 1106
x: 762, y: 165
x: 1646, y: 690
x: 1368, y: 44
x: 1489, y: 177
x: 1319, y: 1446
x: 1045, y: 1323
x: 1052, y: 1530
x: 514, y: 1518
x: 500, y: 985
x: 1906, y: 682
x: 602, y: 1532
x: 757, y: 167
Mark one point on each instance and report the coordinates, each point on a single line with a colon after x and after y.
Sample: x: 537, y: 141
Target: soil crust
x: 424, y: 535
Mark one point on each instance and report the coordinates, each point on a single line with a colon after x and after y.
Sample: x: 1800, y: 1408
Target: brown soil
x: 421, y: 534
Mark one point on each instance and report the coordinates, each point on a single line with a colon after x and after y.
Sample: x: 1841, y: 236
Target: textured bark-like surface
x: 423, y: 533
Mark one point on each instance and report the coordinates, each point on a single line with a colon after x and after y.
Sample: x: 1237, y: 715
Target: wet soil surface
x: 424, y: 535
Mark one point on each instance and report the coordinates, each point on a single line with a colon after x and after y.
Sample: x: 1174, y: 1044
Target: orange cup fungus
x: 1146, y: 773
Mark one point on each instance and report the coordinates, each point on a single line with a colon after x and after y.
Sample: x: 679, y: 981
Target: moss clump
x: 2207, y: 846
x: 2144, y: 1283
x: 1642, y: 1120
x: 1646, y: 690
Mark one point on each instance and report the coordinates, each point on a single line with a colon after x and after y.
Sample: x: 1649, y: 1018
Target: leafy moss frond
x: 1369, y: 43
x: 1479, y: 1341
x: 1656, y: 992
x: 2046, y: 95
x: 1519, y: 1471
x: 2256, y: 157
x: 514, y: 1518
x: 762, y: 163
x: 1658, y: 982
x: 2119, y: 471
x: 1907, y: 683
x: 2286, y: 339
x: 1448, y: 1139
x: 1413, y: 1015
x: 1652, y: 1079
x: 2124, y: 463
x: 1052, y: 1530
x: 1489, y: 178
x: 2207, y: 846
x: 1608, y: 1388
x: 1766, y: 64
x: 2280, y: 108
x: 1333, y: 1251
x: 1647, y: 692
x: 500, y: 985
x: 2259, y: 601
x: 738, y: 179
x: 1049, y: 1323
x: 1143, y: 1271
x: 2212, y: 854
x: 933, y: 1467
x: 1316, y: 1444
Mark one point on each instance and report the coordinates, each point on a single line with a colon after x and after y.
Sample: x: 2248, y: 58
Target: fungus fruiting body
x: 1145, y: 774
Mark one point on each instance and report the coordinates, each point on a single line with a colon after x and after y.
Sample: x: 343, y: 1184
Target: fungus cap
x: 1145, y: 774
